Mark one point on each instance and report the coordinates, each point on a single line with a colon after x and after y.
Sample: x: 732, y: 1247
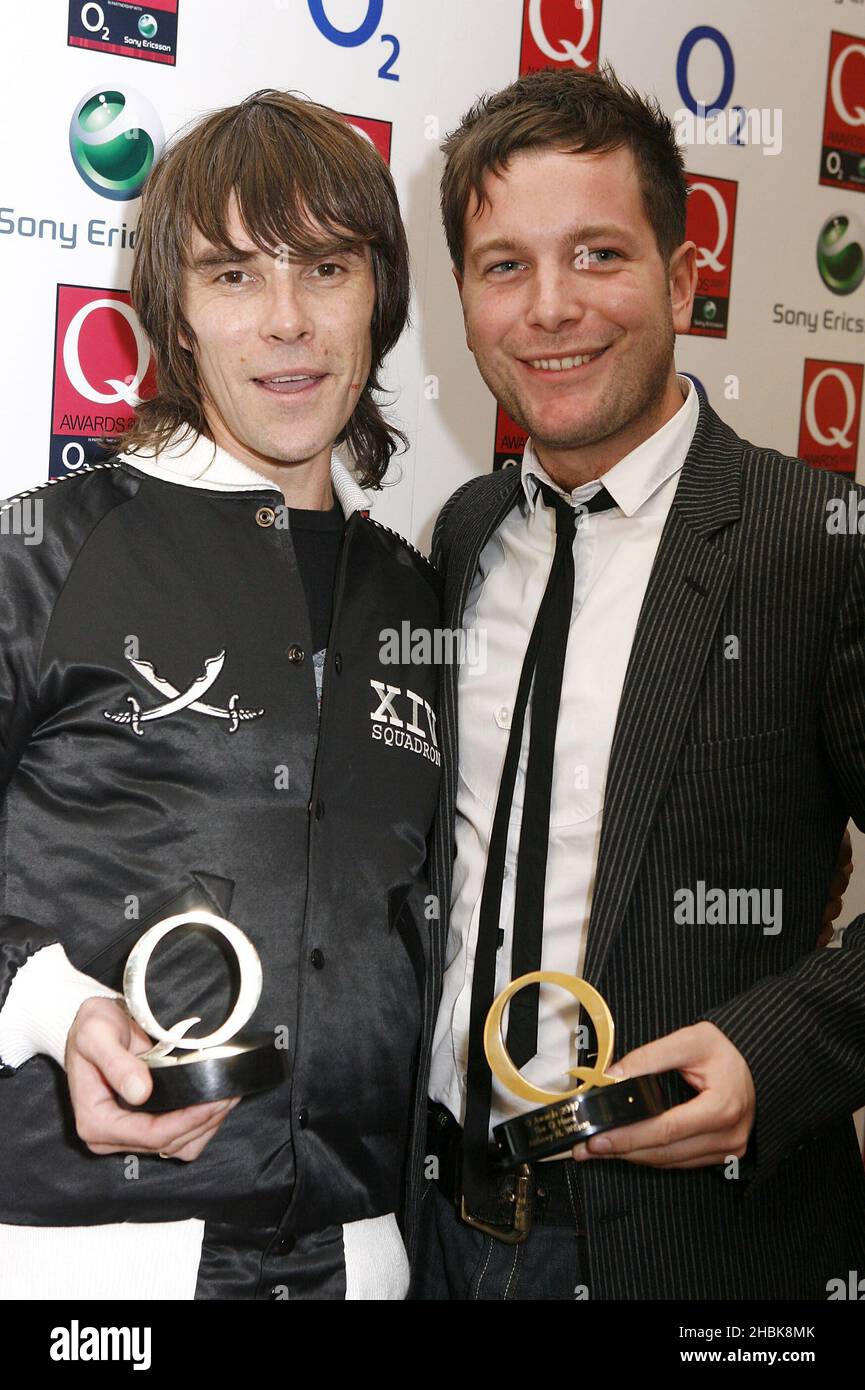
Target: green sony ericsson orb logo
x: 115, y: 137
x: 147, y: 26
x: 841, y: 253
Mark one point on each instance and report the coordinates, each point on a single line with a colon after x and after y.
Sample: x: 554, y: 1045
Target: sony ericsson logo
x: 841, y: 253
x: 115, y: 138
x: 147, y: 26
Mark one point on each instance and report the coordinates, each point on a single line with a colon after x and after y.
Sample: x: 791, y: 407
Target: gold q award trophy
x: 598, y: 1103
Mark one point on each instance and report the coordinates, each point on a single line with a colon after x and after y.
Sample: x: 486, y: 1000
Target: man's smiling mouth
x: 562, y: 363
x: 289, y: 383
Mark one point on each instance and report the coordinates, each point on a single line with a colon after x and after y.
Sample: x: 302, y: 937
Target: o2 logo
x: 353, y: 38
x: 689, y: 43
x: 706, y: 33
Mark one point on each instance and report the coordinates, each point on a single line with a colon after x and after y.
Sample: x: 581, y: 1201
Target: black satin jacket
x: 312, y: 837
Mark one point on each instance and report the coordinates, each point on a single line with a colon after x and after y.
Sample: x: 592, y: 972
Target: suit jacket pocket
x: 720, y: 754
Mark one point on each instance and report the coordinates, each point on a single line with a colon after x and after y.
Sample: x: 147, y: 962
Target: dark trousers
x: 455, y: 1261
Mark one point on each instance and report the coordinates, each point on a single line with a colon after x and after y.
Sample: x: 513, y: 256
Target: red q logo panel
x: 842, y: 159
x: 830, y: 414
x: 379, y: 133
x: 102, y: 370
x: 560, y: 33
x: 710, y: 224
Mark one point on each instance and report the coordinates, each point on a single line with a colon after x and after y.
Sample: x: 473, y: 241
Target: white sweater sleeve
x: 41, y: 1005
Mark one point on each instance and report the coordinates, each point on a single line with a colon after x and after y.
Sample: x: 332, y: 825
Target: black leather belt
x: 534, y: 1193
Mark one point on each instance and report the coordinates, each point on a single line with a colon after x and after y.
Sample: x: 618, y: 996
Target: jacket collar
x: 708, y: 493
x: 707, y: 498
x: 640, y: 474
x: 192, y: 460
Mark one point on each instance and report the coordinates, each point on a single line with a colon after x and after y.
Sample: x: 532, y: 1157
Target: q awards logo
x: 102, y: 371
x: 510, y: 441
x: 710, y: 222
x: 115, y: 138
x: 841, y: 253
x: 378, y: 133
x: 842, y: 160
x: 560, y: 33
x: 830, y: 415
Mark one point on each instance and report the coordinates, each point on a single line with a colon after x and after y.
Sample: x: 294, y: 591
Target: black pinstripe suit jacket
x: 740, y: 772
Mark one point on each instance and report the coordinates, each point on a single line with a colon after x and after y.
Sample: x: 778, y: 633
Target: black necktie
x: 542, y: 670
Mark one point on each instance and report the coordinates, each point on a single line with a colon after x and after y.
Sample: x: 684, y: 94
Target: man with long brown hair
x: 196, y: 712
x: 674, y: 699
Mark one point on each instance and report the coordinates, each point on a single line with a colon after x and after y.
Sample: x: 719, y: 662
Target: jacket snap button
x: 295, y: 654
x: 317, y: 959
x: 303, y: 1117
x: 265, y: 516
x: 337, y: 663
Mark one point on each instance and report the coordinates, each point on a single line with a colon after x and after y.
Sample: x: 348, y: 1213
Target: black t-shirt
x: 317, y: 537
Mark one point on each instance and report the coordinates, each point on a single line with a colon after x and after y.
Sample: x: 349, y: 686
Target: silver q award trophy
x: 190, y: 1070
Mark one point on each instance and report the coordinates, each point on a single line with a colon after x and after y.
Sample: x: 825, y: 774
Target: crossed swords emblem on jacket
x: 181, y: 699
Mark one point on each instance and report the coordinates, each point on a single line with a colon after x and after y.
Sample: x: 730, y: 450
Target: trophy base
x: 554, y: 1128
x: 249, y: 1063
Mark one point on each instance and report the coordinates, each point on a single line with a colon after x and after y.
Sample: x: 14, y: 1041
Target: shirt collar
x: 637, y: 476
x: 192, y: 460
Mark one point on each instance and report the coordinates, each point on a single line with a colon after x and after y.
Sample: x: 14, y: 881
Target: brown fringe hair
x: 572, y: 111
x: 288, y: 160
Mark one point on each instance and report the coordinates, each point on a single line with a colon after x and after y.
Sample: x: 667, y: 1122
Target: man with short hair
x: 195, y: 713
x: 674, y: 697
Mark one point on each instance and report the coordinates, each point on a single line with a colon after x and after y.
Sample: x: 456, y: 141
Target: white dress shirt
x: 613, y: 556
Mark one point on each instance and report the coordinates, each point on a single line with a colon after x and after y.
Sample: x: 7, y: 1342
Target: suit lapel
x: 491, y: 506
x: 678, y: 624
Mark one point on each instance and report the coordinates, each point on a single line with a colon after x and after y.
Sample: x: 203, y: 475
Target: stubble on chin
x: 621, y: 404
